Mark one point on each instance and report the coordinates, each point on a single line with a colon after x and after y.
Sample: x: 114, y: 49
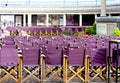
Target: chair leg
x: 19, y: 69
x: 42, y: 69
x: 65, y: 60
x: 87, y: 60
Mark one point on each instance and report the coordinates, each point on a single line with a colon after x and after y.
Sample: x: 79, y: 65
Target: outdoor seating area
x: 59, y: 41
x: 59, y: 58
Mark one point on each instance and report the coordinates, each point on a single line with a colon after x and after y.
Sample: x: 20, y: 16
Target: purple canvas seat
x: 75, y: 64
x: 51, y: 63
x: 9, y: 64
x: 98, y: 58
x: 30, y: 63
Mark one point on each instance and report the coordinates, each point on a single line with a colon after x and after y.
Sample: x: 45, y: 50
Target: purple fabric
x: 8, y: 42
x: 31, y: 56
x: 98, y: 57
x: 53, y: 56
x: 14, y: 29
x: 27, y: 43
x: 76, y: 56
x: 8, y: 57
x: 9, y: 46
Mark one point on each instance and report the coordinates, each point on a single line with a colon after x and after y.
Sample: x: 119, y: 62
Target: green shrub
x: 116, y: 32
x: 88, y: 30
x: 93, y: 29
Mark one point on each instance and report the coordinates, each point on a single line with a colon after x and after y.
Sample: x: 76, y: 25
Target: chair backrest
x: 76, y: 56
x: 27, y: 43
x: 53, y: 55
x: 98, y: 57
x: 9, y: 46
x: 31, y: 56
x: 8, y: 40
x: 8, y: 57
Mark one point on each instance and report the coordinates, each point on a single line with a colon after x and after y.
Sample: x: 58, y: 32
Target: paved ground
x: 31, y: 80
x: 56, y: 80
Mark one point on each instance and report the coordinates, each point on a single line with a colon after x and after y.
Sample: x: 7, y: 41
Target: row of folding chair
x: 30, y: 64
x: 43, y: 33
x: 86, y: 42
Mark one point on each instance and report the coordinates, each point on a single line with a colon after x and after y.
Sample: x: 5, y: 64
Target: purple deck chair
x: 74, y: 65
x: 9, y: 64
x: 30, y: 63
x: 98, y: 58
x: 51, y: 63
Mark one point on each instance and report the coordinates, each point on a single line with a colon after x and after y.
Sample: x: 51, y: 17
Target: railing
x: 57, y: 3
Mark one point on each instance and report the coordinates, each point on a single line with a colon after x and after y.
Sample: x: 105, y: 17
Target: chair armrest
x: 87, y: 56
x: 42, y: 56
x: 65, y: 56
x: 20, y: 55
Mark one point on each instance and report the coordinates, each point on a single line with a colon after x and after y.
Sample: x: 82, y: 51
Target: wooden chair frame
x: 11, y: 71
x: 29, y: 71
x: 48, y: 71
x: 76, y: 72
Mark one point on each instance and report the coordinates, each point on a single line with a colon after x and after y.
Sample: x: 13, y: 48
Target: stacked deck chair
x: 9, y: 64
x: 75, y: 64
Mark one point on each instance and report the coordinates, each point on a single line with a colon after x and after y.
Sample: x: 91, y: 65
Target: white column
x: 103, y: 7
x: 24, y: 19
x: 95, y: 17
x: 29, y: 20
x: 80, y: 19
x: 64, y: 19
x: 47, y: 20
